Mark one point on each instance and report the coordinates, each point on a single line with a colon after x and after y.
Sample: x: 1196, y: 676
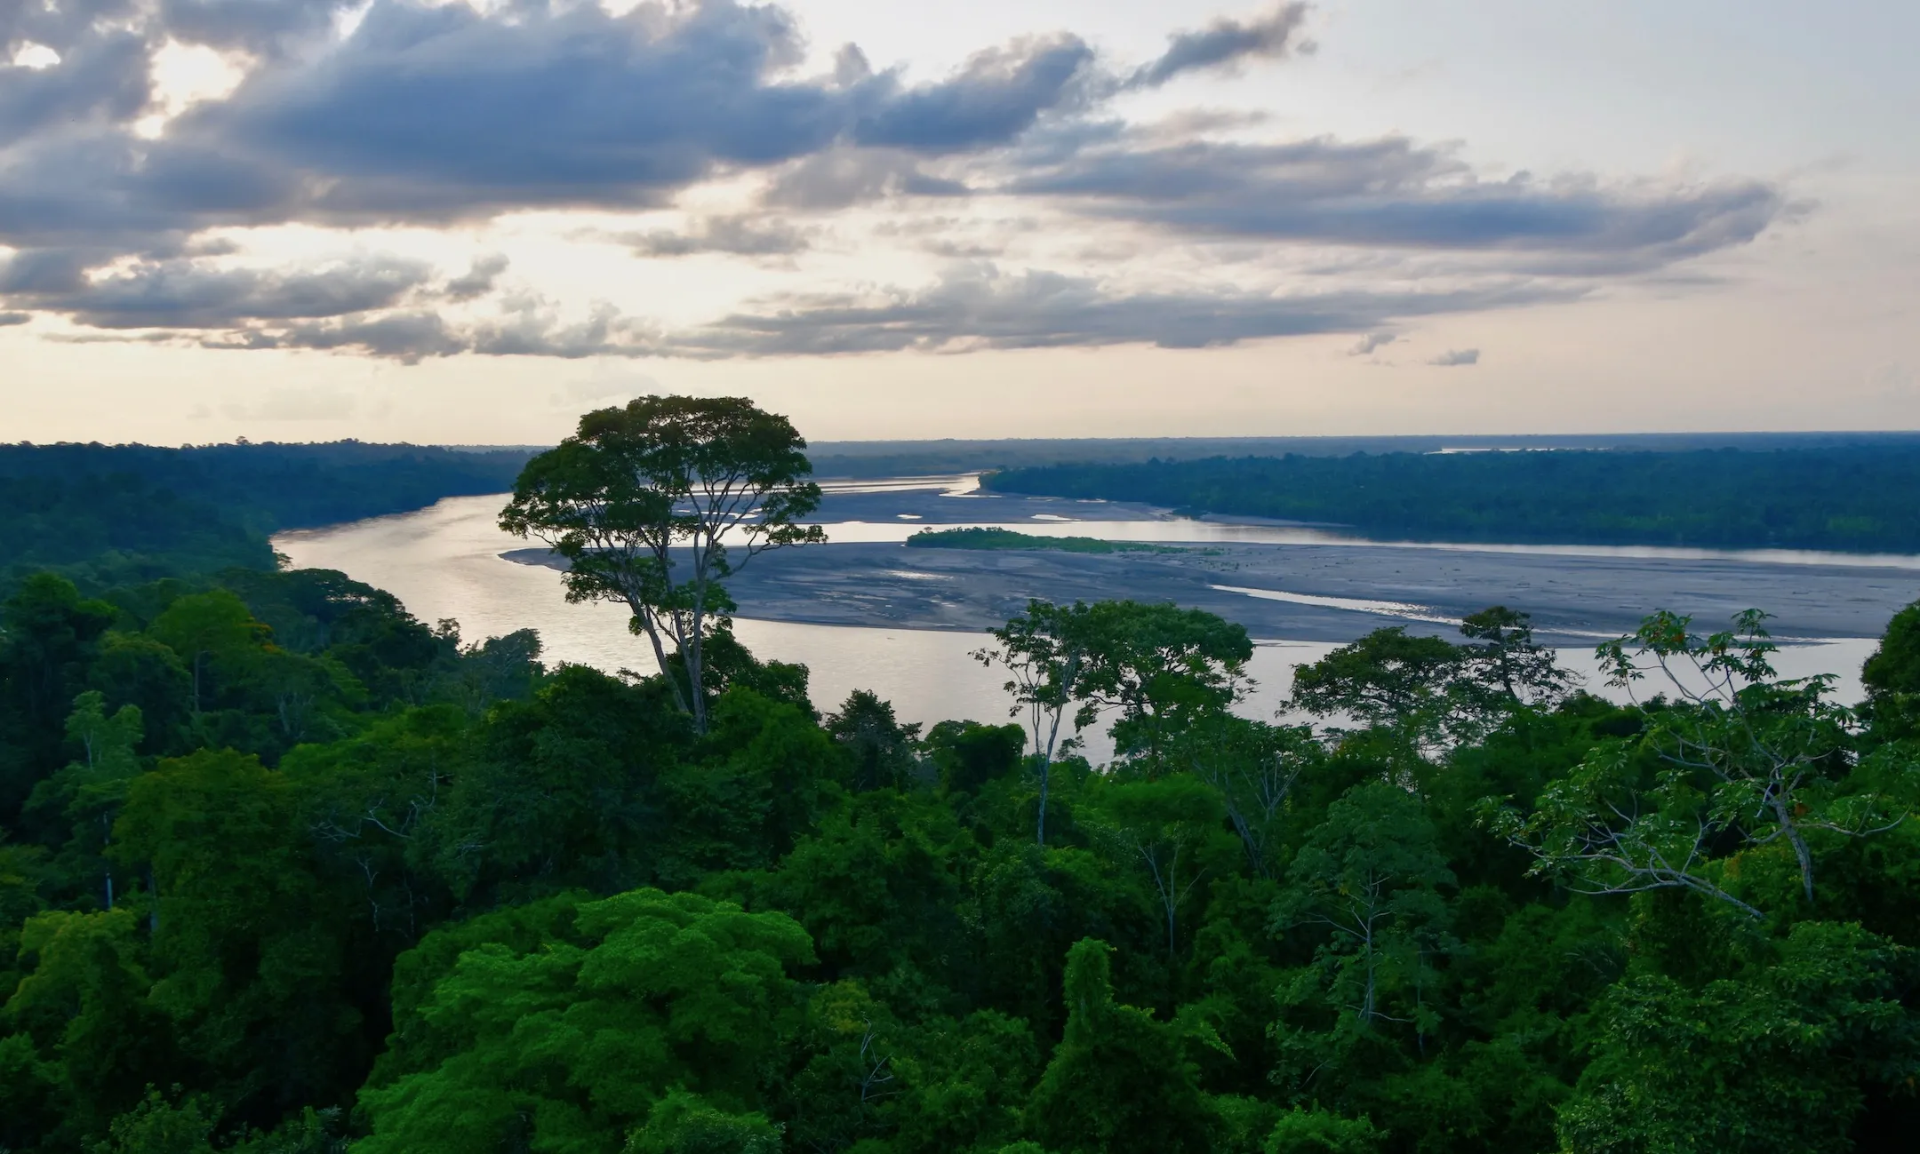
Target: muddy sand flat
x: 1572, y: 599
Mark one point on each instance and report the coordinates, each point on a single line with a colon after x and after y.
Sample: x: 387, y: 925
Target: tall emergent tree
x: 655, y: 503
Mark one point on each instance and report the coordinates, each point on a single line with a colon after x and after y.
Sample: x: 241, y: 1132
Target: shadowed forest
x: 288, y: 870
x: 117, y: 514
x: 1848, y: 497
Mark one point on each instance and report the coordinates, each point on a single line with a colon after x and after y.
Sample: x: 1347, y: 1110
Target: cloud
x: 41, y: 272
x: 429, y: 114
x: 997, y: 96
x: 111, y: 192
x: 194, y: 294
x: 972, y: 306
x: 1367, y: 344
x: 102, y: 78
x: 526, y: 325
x: 478, y: 280
x: 257, y: 25
x: 408, y: 337
x: 977, y: 306
x: 7, y: 320
x: 844, y: 177
x: 1226, y: 43
x: 436, y: 112
x: 1456, y: 358
x: 1391, y: 193
x: 739, y: 235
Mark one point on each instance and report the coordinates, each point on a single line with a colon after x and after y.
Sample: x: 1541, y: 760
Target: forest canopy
x: 105, y: 514
x: 1855, y: 497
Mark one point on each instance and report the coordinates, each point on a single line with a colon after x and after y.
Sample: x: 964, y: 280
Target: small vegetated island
x: 285, y: 870
x: 998, y: 540
x: 1859, y: 498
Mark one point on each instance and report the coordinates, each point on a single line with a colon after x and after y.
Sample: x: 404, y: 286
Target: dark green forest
x: 287, y: 871
x: 1855, y: 497
x: 924, y: 458
x: 110, y: 514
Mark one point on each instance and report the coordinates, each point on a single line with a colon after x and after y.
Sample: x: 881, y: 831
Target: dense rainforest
x: 109, y: 514
x: 869, y: 459
x: 288, y: 871
x: 1854, y: 497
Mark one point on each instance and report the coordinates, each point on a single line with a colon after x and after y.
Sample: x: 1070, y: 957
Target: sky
x: 470, y: 221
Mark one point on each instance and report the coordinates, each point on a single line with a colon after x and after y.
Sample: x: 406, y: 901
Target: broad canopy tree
x: 1738, y: 759
x: 654, y: 504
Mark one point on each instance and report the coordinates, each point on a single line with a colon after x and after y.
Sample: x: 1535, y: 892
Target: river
x: 445, y: 562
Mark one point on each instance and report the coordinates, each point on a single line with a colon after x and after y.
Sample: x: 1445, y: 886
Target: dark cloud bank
x: 437, y: 114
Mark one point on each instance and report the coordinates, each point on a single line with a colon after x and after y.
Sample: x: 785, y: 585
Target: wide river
x: 445, y: 562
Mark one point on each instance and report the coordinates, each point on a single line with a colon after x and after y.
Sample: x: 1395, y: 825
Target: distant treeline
x: 1857, y: 497
x: 110, y: 514
x: 863, y: 459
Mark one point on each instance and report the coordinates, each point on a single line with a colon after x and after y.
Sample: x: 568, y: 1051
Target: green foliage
x: 683, y: 1123
x: 563, y: 790
x: 87, y: 1038
x: 110, y: 515
x: 111, y: 528
x: 1118, y: 1082
x: 653, y: 505
x: 877, y: 884
x: 86, y: 795
x: 968, y: 756
x: 1782, y: 1057
x: 1316, y: 1132
x: 1894, y: 666
x: 248, y: 947
x: 1429, y: 694
x: 1171, y: 830
x: 156, y: 1126
x: 1741, y: 761
x: 571, y: 1044
x: 1845, y: 497
x: 49, y: 637
x: 881, y: 747
x: 1365, y: 887
x: 1160, y: 669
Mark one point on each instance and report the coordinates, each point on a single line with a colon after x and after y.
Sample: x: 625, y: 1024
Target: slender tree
x: 654, y: 504
x: 1045, y: 653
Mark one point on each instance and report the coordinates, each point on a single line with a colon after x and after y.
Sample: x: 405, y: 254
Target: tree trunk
x: 1046, y: 768
x: 1800, y: 851
x: 644, y: 617
x: 106, y: 838
x: 1040, y: 830
x: 695, y: 660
